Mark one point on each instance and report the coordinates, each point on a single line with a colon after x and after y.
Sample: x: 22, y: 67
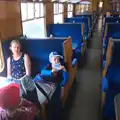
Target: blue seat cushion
x: 78, y: 53
x: 113, y: 76
x: 104, y: 84
x: 109, y: 109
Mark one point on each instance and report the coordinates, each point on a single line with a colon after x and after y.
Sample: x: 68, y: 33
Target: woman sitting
x: 19, y: 64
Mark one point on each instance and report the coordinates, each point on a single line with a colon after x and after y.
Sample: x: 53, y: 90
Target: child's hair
x: 15, y: 41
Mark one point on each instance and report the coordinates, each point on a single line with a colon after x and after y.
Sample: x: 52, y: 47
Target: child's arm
x: 48, y: 71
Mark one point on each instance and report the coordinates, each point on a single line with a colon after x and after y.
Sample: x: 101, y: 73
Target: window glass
x: 30, y: 10
x: 56, y: 8
x: 70, y: 14
x: 34, y: 28
x: 58, y: 18
x: 37, y: 10
x: 41, y: 9
x: 61, y: 8
x: 24, y: 11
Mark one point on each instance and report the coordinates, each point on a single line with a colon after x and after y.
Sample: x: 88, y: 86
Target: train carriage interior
x: 59, y: 59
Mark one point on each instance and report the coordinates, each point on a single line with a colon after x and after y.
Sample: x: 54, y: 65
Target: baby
x: 56, y: 65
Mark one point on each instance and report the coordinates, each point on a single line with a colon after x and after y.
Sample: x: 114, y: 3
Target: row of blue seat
x: 111, y: 58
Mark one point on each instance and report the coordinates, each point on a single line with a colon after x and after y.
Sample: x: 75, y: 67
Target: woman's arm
x: 9, y: 74
x: 27, y: 63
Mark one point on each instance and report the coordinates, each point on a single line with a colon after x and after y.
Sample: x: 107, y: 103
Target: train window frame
x: 56, y: 8
x: 2, y: 63
x: 82, y: 8
x: 61, y: 8
x: 70, y: 10
x: 39, y: 15
x: 58, y: 13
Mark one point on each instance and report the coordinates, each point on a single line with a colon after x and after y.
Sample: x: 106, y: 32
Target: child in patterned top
x: 19, y: 64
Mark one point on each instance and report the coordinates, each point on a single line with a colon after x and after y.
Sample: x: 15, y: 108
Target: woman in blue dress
x: 19, y: 64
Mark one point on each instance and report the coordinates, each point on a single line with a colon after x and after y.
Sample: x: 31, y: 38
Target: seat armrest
x: 65, y: 78
x: 74, y: 62
x: 47, y: 73
x: 104, y: 84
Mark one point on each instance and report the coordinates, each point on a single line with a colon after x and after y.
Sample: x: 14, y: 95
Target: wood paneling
x: 10, y: 19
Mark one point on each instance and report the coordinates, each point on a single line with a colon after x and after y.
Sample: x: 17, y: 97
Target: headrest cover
x: 9, y: 95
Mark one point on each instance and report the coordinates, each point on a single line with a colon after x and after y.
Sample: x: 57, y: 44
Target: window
x: 30, y: 10
x: 100, y: 4
x: 70, y: 14
x: 1, y: 59
x: 82, y: 8
x: 34, y: 28
x: 61, y: 8
x: 33, y: 19
x: 24, y: 11
x: 70, y: 10
x: 56, y: 8
x: 70, y: 7
x: 37, y: 10
x: 58, y: 13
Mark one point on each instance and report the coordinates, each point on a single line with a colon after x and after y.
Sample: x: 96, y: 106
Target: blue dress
x: 17, y: 67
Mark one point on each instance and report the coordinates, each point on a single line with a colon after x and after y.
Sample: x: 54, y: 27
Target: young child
x: 55, y: 71
x: 56, y: 65
x: 12, y: 107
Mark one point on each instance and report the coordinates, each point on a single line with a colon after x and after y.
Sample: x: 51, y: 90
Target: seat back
x: 112, y: 30
x: 84, y: 20
x: 66, y: 30
x: 115, y: 61
x: 86, y: 15
x: 37, y: 49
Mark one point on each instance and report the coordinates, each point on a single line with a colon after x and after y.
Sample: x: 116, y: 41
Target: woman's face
x: 15, y: 47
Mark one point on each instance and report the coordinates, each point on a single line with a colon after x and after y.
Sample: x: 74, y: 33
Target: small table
x: 117, y: 106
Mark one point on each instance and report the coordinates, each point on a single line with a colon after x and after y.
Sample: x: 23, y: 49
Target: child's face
x: 55, y: 60
x: 15, y: 47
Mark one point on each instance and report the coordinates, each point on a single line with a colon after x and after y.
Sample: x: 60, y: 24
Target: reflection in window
x: 1, y: 59
x: 30, y: 10
x: 34, y: 28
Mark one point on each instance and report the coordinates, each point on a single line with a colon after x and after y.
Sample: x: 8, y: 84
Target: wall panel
x: 10, y: 19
